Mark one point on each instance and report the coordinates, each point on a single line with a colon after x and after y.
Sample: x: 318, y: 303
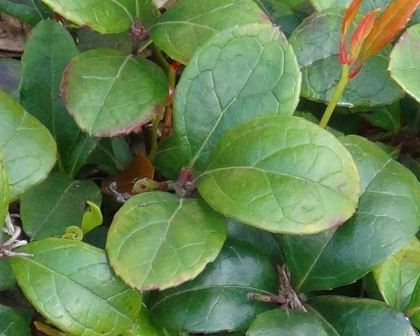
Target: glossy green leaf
x: 29, y: 11
x: 144, y: 326
x: 387, y: 218
x: 405, y: 62
x: 12, y: 323
x: 365, y: 6
x: 71, y: 284
x: 398, y: 275
x: 157, y: 240
x: 104, y: 16
x: 7, y: 279
x: 281, y: 174
x: 10, y: 75
x: 362, y: 317
x: 92, y: 218
x: 317, y: 52
x: 57, y: 203
x: 263, y: 241
x: 239, y: 74
x: 110, y: 93
x: 283, y: 322
x: 190, y: 23
x: 288, y: 14
x: 47, y: 52
x: 28, y: 147
x: 413, y: 311
x: 217, y: 299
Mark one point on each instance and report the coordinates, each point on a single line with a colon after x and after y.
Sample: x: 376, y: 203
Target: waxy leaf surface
x: 190, y: 23
x: 405, y: 62
x: 362, y: 317
x: 387, y: 218
x: 12, y: 323
x: 28, y: 147
x: 282, y: 322
x: 110, y: 93
x: 47, y: 53
x: 317, y: 51
x: 57, y: 203
x: 157, y: 240
x: 217, y: 299
x: 238, y: 75
x: 397, y: 277
x: 71, y: 284
x: 281, y: 174
x: 104, y: 16
x: 7, y: 279
x: 29, y: 11
x: 288, y: 14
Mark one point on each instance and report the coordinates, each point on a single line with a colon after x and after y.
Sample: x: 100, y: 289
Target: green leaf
x: 12, y: 323
x: 285, y: 322
x: 317, y: 52
x: 104, y: 16
x: 47, y: 52
x: 157, y: 240
x: 405, y: 62
x: 364, y: 8
x: 28, y: 147
x: 10, y: 74
x: 239, y: 74
x: 71, y: 284
x: 263, y: 241
x: 58, y: 202
x: 88, y: 39
x: 386, y: 117
x: 29, y: 11
x: 288, y: 14
x: 281, y: 174
x: 7, y: 279
x: 398, y: 275
x: 362, y: 317
x: 217, y: 299
x: 413, y: 311
x: 4, y: 191
x: 144, y: 326
x: 92, y: 218
x: 110, y: 93
x: 190, y: 23
x: 387, y: 218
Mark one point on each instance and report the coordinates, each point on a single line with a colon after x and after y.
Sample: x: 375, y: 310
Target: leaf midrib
x: 248, y: 288
x: 77, y: 284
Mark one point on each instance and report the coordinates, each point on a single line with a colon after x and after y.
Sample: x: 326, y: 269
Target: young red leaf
x: 388, y: 26
x: 363, y: 29
x: 349, y: 16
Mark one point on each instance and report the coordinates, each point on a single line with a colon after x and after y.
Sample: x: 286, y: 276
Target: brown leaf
x: 140, y: 168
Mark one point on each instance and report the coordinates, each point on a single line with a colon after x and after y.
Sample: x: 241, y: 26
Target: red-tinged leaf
x: 359, y: 36
x: 349, y: 16
x: 140, y: 168
x: 388, y: 26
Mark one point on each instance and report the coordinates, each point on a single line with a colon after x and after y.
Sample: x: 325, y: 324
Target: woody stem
x: 336, y: 97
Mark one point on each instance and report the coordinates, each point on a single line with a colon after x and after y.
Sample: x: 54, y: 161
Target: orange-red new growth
x: 388, y: 26
x: 372, y: 35
x: 359, y: 36
x: 349, y: 17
